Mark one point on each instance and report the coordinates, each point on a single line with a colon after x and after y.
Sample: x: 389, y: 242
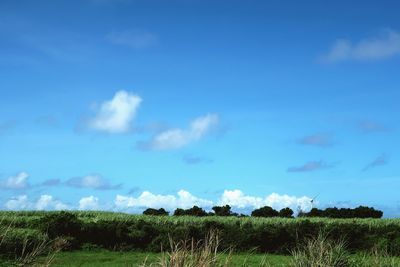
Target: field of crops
x: 119, y: 231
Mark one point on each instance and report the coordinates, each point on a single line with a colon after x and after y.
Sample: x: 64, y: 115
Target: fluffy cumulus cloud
x: 18, y: 181
x: 310, y: 166
x: 89, y: 203
x: 237, y: 199
x: 44, y: 202
x: 116, y: 115
x: 177, y: 138
x: 184, y: 199
x: 386, y: 45
x: 91, y: 181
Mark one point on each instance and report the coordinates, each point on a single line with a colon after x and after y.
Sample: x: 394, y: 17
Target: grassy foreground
x: 111, y: 259
x: 133, y: 259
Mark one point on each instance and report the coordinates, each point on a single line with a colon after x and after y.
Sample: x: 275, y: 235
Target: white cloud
x: 89, y: 203
x: 183, y: 199
x: 177, y: 138
x: 18, y: 203
x: 384, y: 46
x: 238, y: 199
x: 45, y: 202
x: 147, y: 199
x: 19, y: 181
x: 115, y: 115
x: 235, y: 198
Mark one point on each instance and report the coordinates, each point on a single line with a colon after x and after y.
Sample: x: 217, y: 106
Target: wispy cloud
x: 310, y: 166
x: 368, y: 126
x: 383, y: 46
x: 116, y: 115
x: 192, y: 160
x: 133, y: 38
x: 91, y: 181
x: 51, y: 182
x: 18, y: 181
x: 318, y: 139
x: 47, y: 121
x: 6, y: 126
x: 178, y: 138
x: 379, y: 161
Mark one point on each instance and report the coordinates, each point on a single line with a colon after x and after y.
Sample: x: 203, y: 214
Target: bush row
x: 266, y: 211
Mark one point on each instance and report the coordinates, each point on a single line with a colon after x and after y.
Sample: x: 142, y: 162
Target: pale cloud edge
x: 383, y: 46
x: 15, y: 182
x: 177, y: 138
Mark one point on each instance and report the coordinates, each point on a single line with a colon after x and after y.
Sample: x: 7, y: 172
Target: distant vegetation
x: 266, y: 211
x: 360, y: 212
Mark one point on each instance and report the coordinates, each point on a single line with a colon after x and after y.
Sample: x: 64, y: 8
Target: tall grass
x: 320, y: 251
x: 202, y: 253
x: 191, y: 253
x: 31, y: 250
x: 376, y: 258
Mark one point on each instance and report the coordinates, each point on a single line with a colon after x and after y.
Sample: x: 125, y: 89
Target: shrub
x: 286, y: 213
x: 156, y: 212
x: 195, y: 211
x: 223, y: 211
x: 265, y: 212
x: 359, y: 212
x: 62, y: 224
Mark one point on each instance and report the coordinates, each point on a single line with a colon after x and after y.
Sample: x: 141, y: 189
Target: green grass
x: 114, y: 259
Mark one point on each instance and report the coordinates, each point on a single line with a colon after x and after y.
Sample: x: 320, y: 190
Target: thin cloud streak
x: 379, y: 161
x: 310, y: 166
x: 133, y: 38
x: 318, y: 139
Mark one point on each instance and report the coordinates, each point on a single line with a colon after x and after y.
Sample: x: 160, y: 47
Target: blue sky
x: 123, y: 105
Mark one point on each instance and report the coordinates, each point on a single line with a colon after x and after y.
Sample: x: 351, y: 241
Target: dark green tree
x: 156, y: 212
x: 223, y: 210
x: 195, y: 211
x: 265, y: 211
x: 286, y: 213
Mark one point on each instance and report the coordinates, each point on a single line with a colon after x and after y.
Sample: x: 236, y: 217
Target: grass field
x: 119, y: 259
x: 111, y: 259
x: 114, y: 239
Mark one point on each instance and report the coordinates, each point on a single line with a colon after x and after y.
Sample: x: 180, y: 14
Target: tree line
x: 266, y: 211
